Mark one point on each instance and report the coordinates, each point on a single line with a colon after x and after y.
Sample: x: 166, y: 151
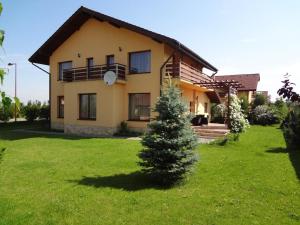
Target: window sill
x: 138, y: 120
x: 87, y: 119
x: 59, y: 117
x: 131, y: 73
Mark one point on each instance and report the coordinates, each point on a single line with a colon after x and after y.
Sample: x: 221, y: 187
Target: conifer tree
x: 170, y: 142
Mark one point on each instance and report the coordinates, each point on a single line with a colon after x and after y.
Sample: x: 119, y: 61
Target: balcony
x: 94, y: 72
x: 186, y: 72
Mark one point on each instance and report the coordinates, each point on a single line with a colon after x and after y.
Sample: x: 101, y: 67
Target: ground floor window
x: 87, y: 106
x: 139, y: 107
x: 60, y: 107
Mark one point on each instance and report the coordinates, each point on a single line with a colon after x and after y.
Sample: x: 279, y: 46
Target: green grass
x: 47, y: 179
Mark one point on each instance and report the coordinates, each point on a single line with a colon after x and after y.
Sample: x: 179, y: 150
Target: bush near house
x: 124, y: 131
x: 244, y: 104
x: 259, y: 99
x: 264, y: 115
x: 238, y: 121
x: 268, y: 114
x: 218, y: 113
x: 169, y: 144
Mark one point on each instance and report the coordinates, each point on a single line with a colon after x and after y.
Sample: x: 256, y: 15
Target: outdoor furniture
x: 200, y: 119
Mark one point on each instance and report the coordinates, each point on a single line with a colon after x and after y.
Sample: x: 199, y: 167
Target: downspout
x: 161, y: 71
x: 45, y: 71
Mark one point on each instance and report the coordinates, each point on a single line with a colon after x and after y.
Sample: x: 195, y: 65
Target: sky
x: 236, y: 36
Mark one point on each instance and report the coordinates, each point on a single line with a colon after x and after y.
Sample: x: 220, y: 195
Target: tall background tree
x: 5, y: 101
x: 2, y: 72
x: 169, y: 145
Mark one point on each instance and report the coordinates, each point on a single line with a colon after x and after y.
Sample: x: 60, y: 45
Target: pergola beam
x: 226, y: 85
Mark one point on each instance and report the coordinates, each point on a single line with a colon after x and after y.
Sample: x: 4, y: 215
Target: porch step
x: 211, y: 131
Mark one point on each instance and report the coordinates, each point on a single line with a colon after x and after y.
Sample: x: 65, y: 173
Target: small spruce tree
x: 169, y: 144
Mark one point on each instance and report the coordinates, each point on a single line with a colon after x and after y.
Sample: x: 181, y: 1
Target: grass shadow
x: 277, y: 150
x: 134, y: 181
x: 23, y: 130
x: 2, y: 151
x: 294, y: 156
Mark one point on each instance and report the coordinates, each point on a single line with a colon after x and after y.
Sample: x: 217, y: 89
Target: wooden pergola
x: 226, y: 86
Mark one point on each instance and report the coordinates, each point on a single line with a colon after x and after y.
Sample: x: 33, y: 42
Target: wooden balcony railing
x: 94, y: 72
x: 186, y: 72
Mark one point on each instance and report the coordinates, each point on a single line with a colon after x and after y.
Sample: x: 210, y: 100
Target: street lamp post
x: 15, y: 64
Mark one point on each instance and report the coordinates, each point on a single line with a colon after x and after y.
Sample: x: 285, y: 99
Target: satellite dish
x: 110, y: 77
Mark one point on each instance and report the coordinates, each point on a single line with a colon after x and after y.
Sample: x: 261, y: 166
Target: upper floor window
x: 63, y: 66
x: 140, y: 62
x: 110, y: 59
x: 87, y: 106
x: 89, y: 64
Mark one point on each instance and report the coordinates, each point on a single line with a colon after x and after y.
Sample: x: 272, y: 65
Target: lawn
x: 48, y: 179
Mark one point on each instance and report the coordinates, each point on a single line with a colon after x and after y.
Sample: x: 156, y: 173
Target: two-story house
x: 88, y: 45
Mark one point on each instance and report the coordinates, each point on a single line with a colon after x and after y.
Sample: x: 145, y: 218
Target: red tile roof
x: 249, y: 81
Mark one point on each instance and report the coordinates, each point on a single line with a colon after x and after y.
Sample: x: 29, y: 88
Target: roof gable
x: 82, y: 15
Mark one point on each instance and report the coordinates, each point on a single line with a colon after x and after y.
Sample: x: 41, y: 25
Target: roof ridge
x: 83, y: 14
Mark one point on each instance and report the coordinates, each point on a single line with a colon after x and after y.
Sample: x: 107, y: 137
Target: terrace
x: 93, y: 72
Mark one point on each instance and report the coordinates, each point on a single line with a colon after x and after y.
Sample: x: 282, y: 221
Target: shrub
x: 238, y: 121
x: 259, y: 99
x: 281, y: 109
x: 218, y: 113
x: 124, y: 131
x: 291, y: 128
x: 31, y: 111
x: 170, y: 142
x: 264, y: 115
x: 244, y: 104
x: 5, y: 109
x: 5, y: 115
x: 44, y: 112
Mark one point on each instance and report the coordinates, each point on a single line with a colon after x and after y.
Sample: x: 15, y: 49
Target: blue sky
x: 236, y: 36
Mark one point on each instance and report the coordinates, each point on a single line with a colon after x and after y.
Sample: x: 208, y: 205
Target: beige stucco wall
x: 247, y: 94
x: 198, y: 99
x: 98, y: 39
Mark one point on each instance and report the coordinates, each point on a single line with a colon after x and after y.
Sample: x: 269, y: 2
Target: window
x: 205, y: 107
x: 140, y: 62
x: 89, y: 65
x: 110, y: 59
x: 60, y: 106
x: 87, y: 106
x: 63, y: 66
x: 139, y: 107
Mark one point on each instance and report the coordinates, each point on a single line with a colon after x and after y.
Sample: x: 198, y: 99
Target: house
x: 88, y: 45
x: 248, y: 81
